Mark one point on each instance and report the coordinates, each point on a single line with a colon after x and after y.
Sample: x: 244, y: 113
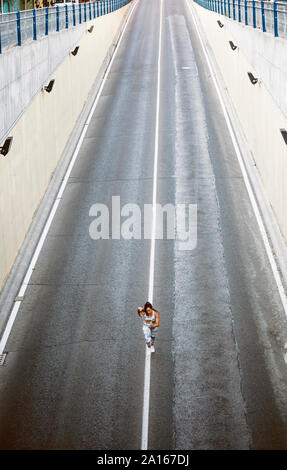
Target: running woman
x: 150, y: 317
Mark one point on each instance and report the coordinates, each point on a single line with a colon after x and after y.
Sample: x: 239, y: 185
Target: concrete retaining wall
x: 267, y: 55
x: 40, y: 135
x: 261, y: 108
x: 24, y: 71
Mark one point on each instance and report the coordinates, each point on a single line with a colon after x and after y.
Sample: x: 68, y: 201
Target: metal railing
x: 268, y: 16
x: 17, y: 27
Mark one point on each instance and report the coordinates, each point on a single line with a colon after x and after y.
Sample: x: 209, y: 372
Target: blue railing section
x: 268, y: 16
x: 17, y: 27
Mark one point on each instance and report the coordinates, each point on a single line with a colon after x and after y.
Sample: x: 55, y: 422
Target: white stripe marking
x: 37, y: 252
x: 245, y: 176
x: 145, y: 416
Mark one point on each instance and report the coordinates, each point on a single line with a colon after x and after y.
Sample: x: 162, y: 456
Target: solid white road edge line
x: 244, y: 173
x: 32, y: 264
x: 145, y: 415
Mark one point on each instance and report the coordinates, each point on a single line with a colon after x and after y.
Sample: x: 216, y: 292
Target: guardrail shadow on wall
x: 268, y: 16
x: 17, y: 27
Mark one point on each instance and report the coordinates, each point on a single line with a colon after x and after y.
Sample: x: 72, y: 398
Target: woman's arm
x: 155, y: 324
x: 140, y: 309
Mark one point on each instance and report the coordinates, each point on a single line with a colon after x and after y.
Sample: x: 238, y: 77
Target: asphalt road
x: 74, y: 373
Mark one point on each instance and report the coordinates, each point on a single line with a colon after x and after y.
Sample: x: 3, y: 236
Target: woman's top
x: 150, y: 319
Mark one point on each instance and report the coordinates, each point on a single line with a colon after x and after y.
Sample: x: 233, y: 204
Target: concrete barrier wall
x: 24, y: 71
x: 40, y: 135
x: 267, y: 55
x: 260, y: 112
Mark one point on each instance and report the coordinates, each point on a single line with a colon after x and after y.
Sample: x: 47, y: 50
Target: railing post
x: 98, y: 11
x: 57, y: 19
x: 34, y: 25
x: 94, y: 9
x: 46, y: 21
x: 234, y: 13
x: 254, y: 13
x: 66, y: 15
x: 80, y: 13
x: 263, y: 17
x: 275, y: 20
x: 246, y: 14
x: 85, y: 12
x: 239, y: 11
x: 18, y: 28
x: 74, y: 14
x: 229, y: 8
x: 225, y: 7
x: 101, y: 8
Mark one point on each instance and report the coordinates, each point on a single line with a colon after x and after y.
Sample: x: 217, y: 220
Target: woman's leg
x: 147, y: 334
x: 153, y: 335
